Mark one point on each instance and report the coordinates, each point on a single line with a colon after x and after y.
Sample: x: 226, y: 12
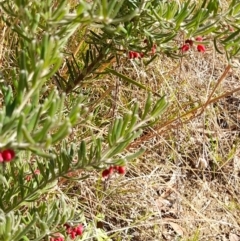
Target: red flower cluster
x: 58, y: 237
x: 7, y: 155
x: 71, y: 231
x: 189, y: 43
x: 74, y: 231
x: 134, y: 55
x: 108, y: 172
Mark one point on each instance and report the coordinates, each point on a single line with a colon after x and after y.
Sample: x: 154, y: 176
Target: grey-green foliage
x: 43, y: 28
x: 38, y: 222
x: 98, y: 153
x: 17, y: 192
x: 126, y: 25
x: 34, y: 118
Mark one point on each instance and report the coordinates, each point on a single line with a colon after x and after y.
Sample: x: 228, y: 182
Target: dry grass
x: 186, y: 186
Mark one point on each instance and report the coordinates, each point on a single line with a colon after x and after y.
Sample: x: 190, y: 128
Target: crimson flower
x: 105, y: 173
x: 74, y: 231
x: 189, y: 41
x: 1, y: 158
x: 134, y: 55
x: 185, y: 47
x: 79, y: 229
x: 58, y: 237
x: 121, y: 170
x: 199, y: 38
x: 7, y: 155
x: 201, y: 48
x: 108, y: 172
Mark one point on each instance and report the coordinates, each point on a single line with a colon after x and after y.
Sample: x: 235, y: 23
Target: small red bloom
x: 199, y: 38
x: 201, y: 48
x: 69, y: 230
x: 105, y: 173
x: 8, y: 155
x: 130, y: 55
x: 66, y: 225
x: 79, y: 229
x: 1, y: 158
x: 136, y: 55
x: 121, y: 170
x: 189, y: 41
x: 185, y: 48
x: 111, y: 170
x: 73, y: 235
x: 133, y: 55
x: 58, y: 237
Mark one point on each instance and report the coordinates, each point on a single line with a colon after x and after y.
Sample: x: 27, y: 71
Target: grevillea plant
x: 35, y: 121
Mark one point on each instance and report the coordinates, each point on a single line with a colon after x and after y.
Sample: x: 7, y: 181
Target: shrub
x: 42, y: 106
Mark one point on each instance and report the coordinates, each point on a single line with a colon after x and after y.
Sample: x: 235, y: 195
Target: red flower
x: 199, y: 38
x: 111, y: 170
x: 130, y: 55
x: 185, y: 47
x: 1, y: 158
x: 201, y: 48
x: 189, y: 41
x: 133, y: 55
x: 105, y: 173
x: 8, y: 155
x: 73, y: 235
x: 121, y: 170
x: 58, y: 237
x: 74, y: 231
x: 79, y: 229
x: 108, y: 172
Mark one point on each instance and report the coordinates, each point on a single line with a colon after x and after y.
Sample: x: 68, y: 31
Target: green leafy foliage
x: 36, y: 118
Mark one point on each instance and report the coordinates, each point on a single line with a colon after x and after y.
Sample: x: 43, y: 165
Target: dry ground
x: 186, y: 185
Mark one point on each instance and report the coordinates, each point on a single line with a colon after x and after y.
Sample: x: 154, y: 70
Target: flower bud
x: 185, y: 48
x: 201, y: 48
x: 199, y: 38
x: 79, y: 229
x: 8, y: 155
x: 189, y: 41
x: 121, y: 170
x: 105, y: 173
x: 1, y: 158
